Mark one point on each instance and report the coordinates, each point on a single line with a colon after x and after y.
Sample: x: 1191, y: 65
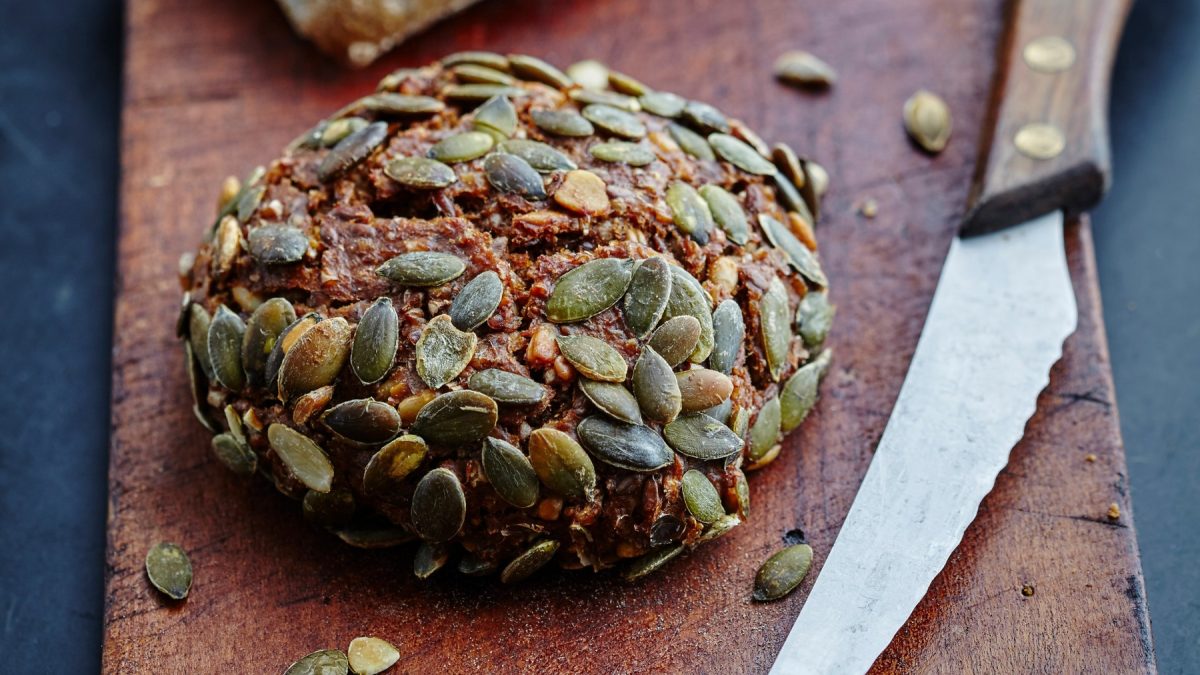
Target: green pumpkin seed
x: 651, y: 562
x: 324, y: 662
x: 283, y: 343
x: 688, y: 297
x: 728, y: 213
x: 316, y: 358
x: 704, y: 118
x: 225, y: 335
x: 745, y: 134
x: 477, y: 93
x: 371, y: 656
x: 619, y: 101
x: 621, y: 152
x: 562, y: 123
x: 690, y: 210
x: 782, y: 572
x: 480, y: 58
x: 788, y: 164
x: 266, y: 324
x: 803, y: 69
x: 699, y: 436
x: 927, y: 120
x: 439, y: 506
x: 612, y: 399
x: 456, y: 417
x: 302, y: 457
x: 543, y: 158
x: 701, y: 389
x: 534, y: 69
x: 428, y: 559
x: 443, y: 351
x: 509, y: 173
x: 690, y: 142
x: 338, y: 129
x: 375, y: 342
x: 328, y: 509
x: 615, y: 121
x: 764, y: 433
x: 462, y: 147
x: 471, y: 566
x: 363, y: 420
x: 506, y: 387
x: 561, y: 464
x: 814, y: 317
x: 721, y: 411
x: 676, y: 339
x: 274, y: 244
x: 741, y: 155
x: 655, y: 387
x: 799, y: 393
x: 510, y: 473
x: 390, y: 104
x: 471, y: 72
x: 626, y: 84
x: 251, y: 184
x: 701, y: 498
x: 625, y: 446
x: 392, y: 464
x: 593, y: 358
x: 649, y: 290
x: 532, y: 560
x: 720, y: 527
x: 776, y: 328
x: 420, y: 173
x: 589, y: 74
x: 739, y: 421
x: 422, y: 268
x: 791, y: 198
x: 477, y: 301
x: 497, y: 114
x: 374, y: 537
x: 234, y: 454
x: 351, y: 150
x: 799, y: 257
x: 588, y: 289
x: 248, y: 201
x: 169, y: 570
x: 662, y: 103
x: 729, y: 331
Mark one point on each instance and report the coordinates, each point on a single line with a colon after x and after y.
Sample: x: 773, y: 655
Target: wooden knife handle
x: 1048, y: 143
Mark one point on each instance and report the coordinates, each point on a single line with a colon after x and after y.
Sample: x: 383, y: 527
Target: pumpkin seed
x: 324, y: 662
x: 613, y: 399
x: 799, y: 257
x: 589, y: 74
x: 776, y: 329
x: 789, y: 164
x: 690, y: 211
x: 804, y: 69
x: 619, y: 101
x: 351, y: 150
x: 622, y: 152
x: 532, y: 68
x: 509, y: 173
x: 472, y: 72
x: 701, y: 388
x: 615, y: 121
x: 375, y: 342
x: 283, y: 343
x: 476, y: 93
x: 704, y: 118
x: 225, y: 334
x: 583, y: 192
x: 799, y: 393
x: 373, y: 537
x: 727, y: 212
x: 690, y: 142
x: 248, y: 201
x: 720, y: 527
x: 625, y: 446
x: 588, y: 289
x: 340, y: 128
x: 562, y: 123
x: 506, y: 387
x: 439, y: 506
x: 462, y: 147
x: 561, y: 464
x: 791, y: 198
x: 543, y: 158
x: 471, y: 566
x: 739, y: 421
x: 274, y: 244
x: 234, y: 422
x: 481, y: 58
x: 169, y: 570
x: 420, y: 173
x: 363, y: 420
x: 741, y: 155
x: 456, y: 417
x: 234, y: 454
x: 814, y: 317
x: 764, y: 433
x: 251, y: 184
x: 818, y: 177
x: 304, y: 407
x: 411, y: 405
x: 699, y: 436
x: 391, y: 104
x: 422, y: 268
x: 477, y: 301
x: 729, y: 330
x: 721, y: 411
x: 676, y: 339
x: 745, y: 134
x: 701, y: 497
x: 742, y: 487
x: 666, y: 530
x: 328, y: 509
x: 371, y: 655
x: 443, y: 351
x: 782, y: 572
x: 688, y: 297
x: 649, y: 290
x: 428, y: 559
x: 626, y: 84
x: 532, y: 560
x: 497, y: 114
x: 227, y: 243
x: 302, y: 457
x: 662, y: 103
x: 510, y: 473
x: 927, y: 120
x: 651, y: 562
x: 266, y: 324
x: 315, y: 359
x: 392, y: 464
x: 655, y: 387
x: 593, y: 358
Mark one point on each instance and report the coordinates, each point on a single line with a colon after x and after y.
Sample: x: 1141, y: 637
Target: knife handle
x: 1048, y: 143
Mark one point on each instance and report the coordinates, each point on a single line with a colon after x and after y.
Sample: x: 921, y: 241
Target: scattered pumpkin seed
x: 620, y: 101
x: 615, y: 121
x: 543, y: 158
x: 498, y: 115
x: 676, y: 339
x: 456, y: 417
x: 799, y: 257
x: 473, y: 72
x: 626, y: 84
x: 169, y: 570
x: 420, y: 173
x: 720, y: 527
x: 651, y: 562
x: 704, y: 118
x: 782, y: 572
x: 532, y: 68
x: 263, y: 329
x: 462, y: 147
x: 315, y: 359
x: 728, y: 213
x: 593, y: 358
x: 690, y: 142
x: 510, y: 473
x: 583, y: 192
x: 371, y: 655
x: 477, y: 301
x: 562, y: 123
x: 699, y: 436
x: 506, y: 387
x: 588, y: 289
x: 532, y: 560
x: 622, y: 152
x: 729, y: 331
x: 328, y: 509
x: 612, y: 399
x: 814, y: 318
x: 283, y: 343
x: 776, y: 327
x: 509, y: 173
x: 764, y: 433
x: 477, y: 93
x: 443, y: 351
x: 480, y: 58
x: 302, y: 457
x: 589, y: 74
x: 363, y: 420
x: 351, y: 150
x: 234, y: 454
x: 799, y: 393
x: 803, y: 69
x: 561, y: 464
x: 324, y: 662
x: 439, y: 506
x: 225, y: 334
x: 646, y: 300
x: 662, y: 103
x: 393, y: 463
x: 274, y: 244
x: 690, y: 211
x: 422, y: 268
x: 927, y: 120
x: 626, y: 446
x: 688, y: 297
x: 701, y: 497
x: 741, y: 155
x: 375, y: 341
x: 701, y: 389
x: 428, y: 559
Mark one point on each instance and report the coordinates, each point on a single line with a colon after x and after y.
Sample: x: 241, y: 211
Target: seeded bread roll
x: 515, y: 319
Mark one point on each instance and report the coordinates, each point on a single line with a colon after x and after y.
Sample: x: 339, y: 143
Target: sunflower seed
x: 315, y: 359
x: 688, y: 297
x: 456, y: 417
x: 662, y: 103
x: 701, y: 497
x: 814, y: 318
x: 363, y: 420
x: 443, y: 351
x: 729, y: 330
x: 589, y: 74
x: 532, y: 68
x: 626, y: 446
x: 234, y: 454
x: 533, y: 559
x: 649, y: 290
x: 690, y: 210
x: 782, y: 572
x: 428, y: 559
x: 626, y: 84
x: 509, y: 173
x: 480, y: 58
x: 302, y: 457
x: 613, y: 399
x: 543, y: 158
x: 476, y: 93
x: 506, y: 387
x: 619, y: 101
x: 462, y: 147
x: 497, y: 114
x: 328, y: 509
x: 422, y: 268
x: 622, y: 152
x: 324, y: 662
x: 472, y: 72
x: 561, y: 464
x: 225, y: 334
x: 370, y: 655
x: 699, y: 436
x: 477, y: 301
x: 764, y: 433
x: 615, y: 121
x: 701, y: 388
x: 439, y: 506
x: 393, y: 463
x: 690, y: 142
x: 704, y: 118
x: 471, y: 566
x: 927, y: 120
x: 799, y: 393
x: 351, y: 150
x: 266, y: 324
x: 375, y: 342
x: 741, y: 155
x: 169, y: 570
x: 593, y: 358
x: 651, y: 562
x: 799, y: 257
x: 676, y: 339
x: 804, y: 69
x: 283, y: 343
x: 510, y: 473
x: 274, y: 244
x: 728, y: 213
x: 420, y: 173
x: 775, y: 326
x: 588, y: 289
x: 562, y: 123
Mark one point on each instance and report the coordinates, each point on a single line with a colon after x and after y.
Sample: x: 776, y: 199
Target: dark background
x: 60, y: 72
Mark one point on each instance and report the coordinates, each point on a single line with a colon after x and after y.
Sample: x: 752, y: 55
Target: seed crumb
x: 1114, y: 511
x: 1090, y: 457
x: 1027, y: 590
x: 869, y: 208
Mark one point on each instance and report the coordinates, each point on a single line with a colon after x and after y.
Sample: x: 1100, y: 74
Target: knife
x: 1004, y: 304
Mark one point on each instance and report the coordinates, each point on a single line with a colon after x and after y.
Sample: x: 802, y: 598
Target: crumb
x: 869, y: 208
x: 1114, y: 511
x: 1027, y: 590
x: 1090, y: 457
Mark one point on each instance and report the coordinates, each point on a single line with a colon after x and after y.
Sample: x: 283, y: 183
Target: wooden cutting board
x: 216, y: 87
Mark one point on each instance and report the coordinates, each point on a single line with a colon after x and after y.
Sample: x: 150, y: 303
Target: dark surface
x: 58, y: 140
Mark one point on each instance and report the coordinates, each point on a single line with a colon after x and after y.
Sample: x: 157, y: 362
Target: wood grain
x: 216, y: 87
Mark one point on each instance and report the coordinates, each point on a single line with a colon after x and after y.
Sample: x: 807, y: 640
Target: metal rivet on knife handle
x: 1040, y: 141
x: 1049, y: 54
